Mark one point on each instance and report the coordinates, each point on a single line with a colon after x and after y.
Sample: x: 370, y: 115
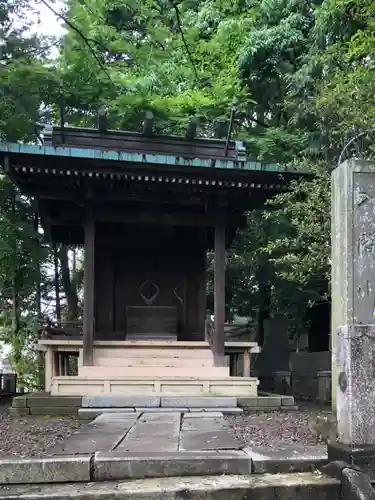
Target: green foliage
x: 23, y: 357
x: 25, y: 80
x: 301, y: 252
x: 27, y: 87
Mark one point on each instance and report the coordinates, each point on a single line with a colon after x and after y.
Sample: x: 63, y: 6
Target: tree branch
x: 179, y: 25
x: 84, y: 38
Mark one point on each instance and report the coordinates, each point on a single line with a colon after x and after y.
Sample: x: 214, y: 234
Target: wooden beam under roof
x: 146, y: 217
x: 148, y: 124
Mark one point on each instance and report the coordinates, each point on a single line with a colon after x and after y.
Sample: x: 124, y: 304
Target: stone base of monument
x: 362, y: 456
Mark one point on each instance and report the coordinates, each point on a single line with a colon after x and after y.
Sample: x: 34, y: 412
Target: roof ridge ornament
x: 241, y: 154
x: 103, y: 119
x: 191, y: 130
x: 231, y: 122
x: 148, y: 124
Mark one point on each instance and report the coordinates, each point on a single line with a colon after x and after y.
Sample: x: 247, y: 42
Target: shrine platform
x: 138, y: 367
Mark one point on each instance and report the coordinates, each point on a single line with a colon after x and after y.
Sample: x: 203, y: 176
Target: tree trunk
x: 70, y: 288
x: 263, y: 310
x: 38, y: 307
x: 38, y: 296
x: 74, y: 266
x: 263, y: 278
x: 57, y: 285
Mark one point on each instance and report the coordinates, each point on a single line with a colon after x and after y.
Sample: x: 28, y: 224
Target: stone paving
x: 152, y: 432
x: 137, y: 445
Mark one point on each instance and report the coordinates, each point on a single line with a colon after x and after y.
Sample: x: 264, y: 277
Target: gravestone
x: 274, y: 357
x: 353, y: 313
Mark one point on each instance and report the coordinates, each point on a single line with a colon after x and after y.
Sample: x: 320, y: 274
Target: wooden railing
x: 50, y: 329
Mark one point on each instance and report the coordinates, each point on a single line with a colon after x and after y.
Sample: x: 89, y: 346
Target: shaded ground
x: 35, y: 436
x: 32, y: 436
x: 278, y: 427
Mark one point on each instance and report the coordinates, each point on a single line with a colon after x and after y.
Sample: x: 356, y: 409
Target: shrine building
x: 146, y: 209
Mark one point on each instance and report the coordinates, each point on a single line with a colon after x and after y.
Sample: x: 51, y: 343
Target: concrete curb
x: 268, y: 409
x: 267, y: 487
x: 45, y: 404
x: 278, y: 466
x: 109, y: 466
x: 266, y: 402
x: 41, y: 403
x: 287, y: 459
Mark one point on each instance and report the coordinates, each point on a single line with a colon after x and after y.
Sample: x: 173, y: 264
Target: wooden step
x: 92, y: 386
x: 151, y: 352
x: 154, y: 361
x: 152, y: 371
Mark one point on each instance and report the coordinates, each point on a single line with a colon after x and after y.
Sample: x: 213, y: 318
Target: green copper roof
x: 123, y: 156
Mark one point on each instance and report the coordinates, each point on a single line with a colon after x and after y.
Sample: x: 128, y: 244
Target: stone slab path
x: 122, y: 446
x: 152, y: 432
x: 135, y: 445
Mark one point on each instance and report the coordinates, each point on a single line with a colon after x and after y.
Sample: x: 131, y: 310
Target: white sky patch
x: 44, y: 20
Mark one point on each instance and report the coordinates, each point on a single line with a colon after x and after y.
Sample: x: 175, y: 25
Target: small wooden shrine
x: 146, y: 208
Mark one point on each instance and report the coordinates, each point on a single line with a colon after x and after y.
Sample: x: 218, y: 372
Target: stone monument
x: 272, y: 363
x: 353, y: 313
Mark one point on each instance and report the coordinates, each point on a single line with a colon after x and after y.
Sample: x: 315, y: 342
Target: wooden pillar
x: 202, y: 296
x: 88, y: 292
x: 64, y: 364
x: 59, y: 364
x: 219, y: 291
x: 48, y: 368
x: 246, y: 363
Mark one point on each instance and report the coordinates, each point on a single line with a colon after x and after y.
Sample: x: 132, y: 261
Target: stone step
x: 306, y: 486
x: 158, y: 401
x: 91, y: 413
x: 150, y: 370
x: 114, y: 465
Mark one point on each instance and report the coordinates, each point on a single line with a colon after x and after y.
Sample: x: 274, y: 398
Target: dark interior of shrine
x: 149, y: 274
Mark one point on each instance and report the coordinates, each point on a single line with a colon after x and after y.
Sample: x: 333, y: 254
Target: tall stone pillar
x: 353, y: 312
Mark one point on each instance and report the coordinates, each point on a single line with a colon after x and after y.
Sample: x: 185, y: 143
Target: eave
x: 112, y: 157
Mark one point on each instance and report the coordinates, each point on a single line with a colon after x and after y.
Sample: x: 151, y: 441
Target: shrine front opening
x: 150, y: 282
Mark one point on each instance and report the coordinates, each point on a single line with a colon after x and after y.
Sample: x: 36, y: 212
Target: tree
x: 26, y: 83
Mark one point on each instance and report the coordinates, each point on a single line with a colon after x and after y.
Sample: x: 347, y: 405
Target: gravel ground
x: 278, y: 428
x: 32, y: 436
